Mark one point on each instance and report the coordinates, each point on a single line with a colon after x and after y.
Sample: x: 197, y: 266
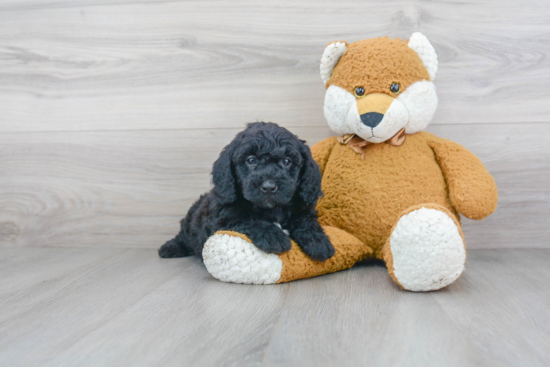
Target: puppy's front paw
x: 271, y: 240
x: 315, y: 245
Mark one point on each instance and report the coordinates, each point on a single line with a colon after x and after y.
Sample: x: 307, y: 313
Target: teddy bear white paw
x: 427, y: 249
x: 235, y: 260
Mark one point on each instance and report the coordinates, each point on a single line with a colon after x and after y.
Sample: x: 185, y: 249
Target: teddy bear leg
x: 348, y: 251
x: 425, y: 251
x: 232, y: 257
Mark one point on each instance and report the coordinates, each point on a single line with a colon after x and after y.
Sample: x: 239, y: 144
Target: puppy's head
x: 268, y: 166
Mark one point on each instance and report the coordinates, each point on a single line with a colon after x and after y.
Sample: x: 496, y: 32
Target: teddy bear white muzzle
x: 377, y: 117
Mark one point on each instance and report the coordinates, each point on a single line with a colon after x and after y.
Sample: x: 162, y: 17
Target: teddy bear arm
x: 472, y: 189
x: 321, y: 152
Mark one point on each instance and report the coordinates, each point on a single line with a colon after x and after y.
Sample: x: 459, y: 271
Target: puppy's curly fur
x: 266, y: 185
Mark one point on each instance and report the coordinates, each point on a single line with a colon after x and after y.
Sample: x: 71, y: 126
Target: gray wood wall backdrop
x: 112, y: 112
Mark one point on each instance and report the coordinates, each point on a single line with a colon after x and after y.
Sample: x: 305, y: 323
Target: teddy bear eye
x: 359, y: 92
x: 394, y: 88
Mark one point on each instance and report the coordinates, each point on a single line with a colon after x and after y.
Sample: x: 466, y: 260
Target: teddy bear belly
x: 366, y: 197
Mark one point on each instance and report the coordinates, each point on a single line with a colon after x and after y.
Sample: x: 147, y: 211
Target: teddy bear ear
x: 333, y: 53
x: 420, y: 44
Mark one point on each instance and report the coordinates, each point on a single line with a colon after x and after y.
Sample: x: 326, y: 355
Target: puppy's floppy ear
x: 225, y: 185
x: 310, y: 179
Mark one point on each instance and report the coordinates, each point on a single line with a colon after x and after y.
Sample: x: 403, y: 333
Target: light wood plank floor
x: 126, y: 307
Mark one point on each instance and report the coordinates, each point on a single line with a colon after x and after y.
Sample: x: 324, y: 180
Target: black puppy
x: 266, y: 185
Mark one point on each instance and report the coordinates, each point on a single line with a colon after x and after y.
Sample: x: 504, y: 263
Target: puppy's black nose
x: 269, y: 187
x: 371, y: 119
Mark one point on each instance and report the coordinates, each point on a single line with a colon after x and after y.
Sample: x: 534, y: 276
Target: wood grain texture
x: 522, y: 292
x: 98, y: 65
x: 31, y: 276
x: 130, y: 188
x: 129, y: 307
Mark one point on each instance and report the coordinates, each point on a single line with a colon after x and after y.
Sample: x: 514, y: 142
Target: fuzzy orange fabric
x: 321, y: 152
x: 472, y: 190
x: 366, y: 197
x: 395, y: 62
x: 349, y: 250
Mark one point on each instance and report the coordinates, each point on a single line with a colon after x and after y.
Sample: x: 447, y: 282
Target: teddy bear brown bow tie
x: 359, y: 145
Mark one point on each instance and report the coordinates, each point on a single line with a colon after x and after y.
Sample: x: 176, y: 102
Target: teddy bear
x: 391, y: 190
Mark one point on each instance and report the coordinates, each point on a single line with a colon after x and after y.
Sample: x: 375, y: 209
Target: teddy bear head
x: 377, y: 87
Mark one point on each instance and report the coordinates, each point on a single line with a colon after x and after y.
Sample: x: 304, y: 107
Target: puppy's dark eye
x: 287, y: 162
x: 394, y: 88
x: 359, y: 92
x: 251, y: 160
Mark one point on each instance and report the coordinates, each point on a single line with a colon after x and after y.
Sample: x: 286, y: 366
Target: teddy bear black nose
x: 269, y: 187
x: 371, y: 119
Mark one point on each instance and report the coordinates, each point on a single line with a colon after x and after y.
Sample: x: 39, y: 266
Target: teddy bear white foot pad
x: 235, y: 260
x: 427, y: 249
